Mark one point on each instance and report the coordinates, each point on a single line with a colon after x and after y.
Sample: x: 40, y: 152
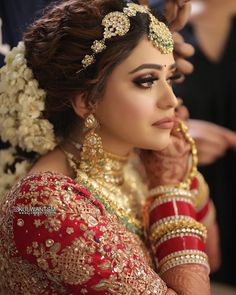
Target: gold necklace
x: 108, y: 188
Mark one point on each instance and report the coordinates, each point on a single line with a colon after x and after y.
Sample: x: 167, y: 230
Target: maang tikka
x: 117, y: 23
x: 92, y: 153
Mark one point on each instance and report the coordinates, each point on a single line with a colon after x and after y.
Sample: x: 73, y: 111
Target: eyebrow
x: 151, y: 66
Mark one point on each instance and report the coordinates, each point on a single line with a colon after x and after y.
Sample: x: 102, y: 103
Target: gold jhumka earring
x: 97, y: 163
x: 92, y: 153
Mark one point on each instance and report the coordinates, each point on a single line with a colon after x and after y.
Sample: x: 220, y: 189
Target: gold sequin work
x: 76, y: 248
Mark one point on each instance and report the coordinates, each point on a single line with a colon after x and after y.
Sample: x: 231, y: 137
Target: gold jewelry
x: 103, y: 175
x: 183, y: 232
x: 102, y: 166
x: 182, y: 253
x: 92, y: 153
x: 111, y: 196
x: 185, y: 259
x: 117, y: 23
x: 110, y: 200
x: 163, y: 192
x: 168, y: 189
x: 194, y: 160
x: 202, y: 194
x: 166, y: 225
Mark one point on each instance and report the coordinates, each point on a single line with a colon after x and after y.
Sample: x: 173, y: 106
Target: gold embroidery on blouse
x: 120, y: 252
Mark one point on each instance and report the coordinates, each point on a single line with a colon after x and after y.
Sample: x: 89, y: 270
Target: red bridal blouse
x: 57, y: 238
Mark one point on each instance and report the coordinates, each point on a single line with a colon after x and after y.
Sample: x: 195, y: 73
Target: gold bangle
x: 188, y: 259
x: 166, y: 189
x: 182, y: 253
x: 167, y: 225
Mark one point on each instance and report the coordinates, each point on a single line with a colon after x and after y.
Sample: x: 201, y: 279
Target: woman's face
x: 137, y: 108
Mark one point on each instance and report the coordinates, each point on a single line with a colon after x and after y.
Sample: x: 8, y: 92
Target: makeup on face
x: 146, y: 80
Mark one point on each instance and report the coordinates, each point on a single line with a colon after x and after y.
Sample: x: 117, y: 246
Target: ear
x: 79, y: 106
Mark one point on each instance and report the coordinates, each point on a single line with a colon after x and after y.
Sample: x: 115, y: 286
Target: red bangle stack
x: 176, y: 236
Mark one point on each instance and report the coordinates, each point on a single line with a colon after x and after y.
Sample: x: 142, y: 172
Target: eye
x: 145, y: 82
x: 173, y: 78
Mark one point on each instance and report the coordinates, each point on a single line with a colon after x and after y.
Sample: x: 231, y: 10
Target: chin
x: 156, y: 146
x: 161, y: 143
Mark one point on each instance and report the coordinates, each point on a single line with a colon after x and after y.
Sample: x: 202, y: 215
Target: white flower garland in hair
x: 21, y: 106
x: 21, y: 121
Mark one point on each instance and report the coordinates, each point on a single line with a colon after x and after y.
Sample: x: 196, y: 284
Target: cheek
x: 134, y: 109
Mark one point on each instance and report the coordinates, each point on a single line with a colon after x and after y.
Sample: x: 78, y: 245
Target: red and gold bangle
x: 169, y: 190
x: 179, y: 244
x: 183, y: 232
x: 166, y: 225
x: 159, y: 201
x: 173, y: 208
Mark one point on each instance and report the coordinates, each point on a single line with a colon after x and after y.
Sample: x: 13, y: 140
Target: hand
x: 182, y: 51
x: 188, y: 279
x: 212, y: 140
x: 181, y: 112
x: 170, y: 165
x: 177, y: 13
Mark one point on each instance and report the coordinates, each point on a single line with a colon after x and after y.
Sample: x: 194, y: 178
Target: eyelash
x: 152, y: 79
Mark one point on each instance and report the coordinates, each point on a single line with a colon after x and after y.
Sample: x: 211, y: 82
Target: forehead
x: 146, y: 53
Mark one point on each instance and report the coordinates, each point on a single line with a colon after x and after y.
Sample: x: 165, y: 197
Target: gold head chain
x: 117, y: 23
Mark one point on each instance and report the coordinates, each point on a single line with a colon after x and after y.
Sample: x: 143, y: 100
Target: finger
x: 182, y: 113
x: 180, y: 79
x: 181, y: 17
x: 178, y: 38
x: 206, y: 159
x: 230, y: 136
x: 208, y: 153
x: 181, y: 2
x: 184, y: 49
x: 220, y: 133
x: 183, y: 65
x: 171, y: 10
x: 212, y: 140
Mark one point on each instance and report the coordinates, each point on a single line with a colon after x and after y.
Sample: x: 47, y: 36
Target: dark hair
x: 57, y: 43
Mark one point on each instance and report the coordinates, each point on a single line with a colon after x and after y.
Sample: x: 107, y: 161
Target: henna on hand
x: 170, y: 165
x: 188, y: 279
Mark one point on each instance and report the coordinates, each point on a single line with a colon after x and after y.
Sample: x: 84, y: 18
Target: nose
x: 167, y: 99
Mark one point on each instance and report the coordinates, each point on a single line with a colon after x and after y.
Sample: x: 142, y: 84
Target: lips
x: 165, y: 123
